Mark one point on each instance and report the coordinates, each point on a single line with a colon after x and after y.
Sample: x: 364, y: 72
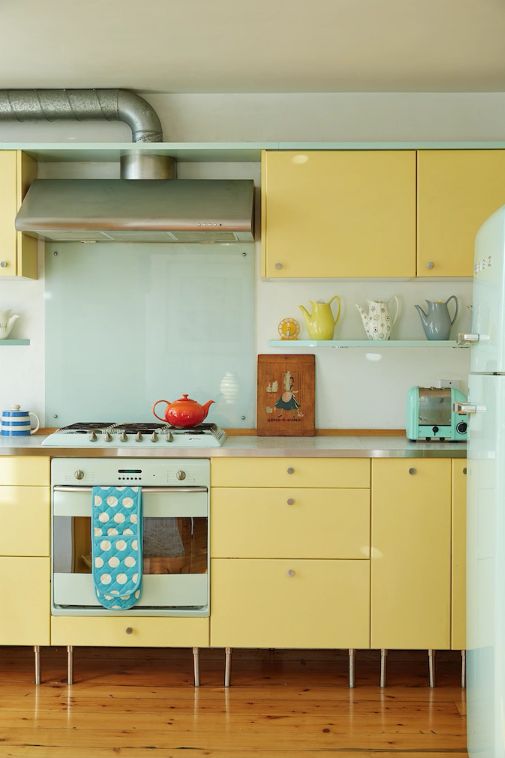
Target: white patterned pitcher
x: 378, y: 321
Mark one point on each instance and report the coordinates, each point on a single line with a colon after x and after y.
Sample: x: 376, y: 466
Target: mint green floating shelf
x: 367, y: 344
x: 14, y: 342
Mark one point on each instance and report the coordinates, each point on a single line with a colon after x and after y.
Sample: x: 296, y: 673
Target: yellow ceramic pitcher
x: 321, y: 322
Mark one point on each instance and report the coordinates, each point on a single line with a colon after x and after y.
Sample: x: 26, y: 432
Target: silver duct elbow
x: 83, y: 104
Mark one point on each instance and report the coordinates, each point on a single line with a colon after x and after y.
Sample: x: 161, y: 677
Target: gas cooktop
x: 144, y: 434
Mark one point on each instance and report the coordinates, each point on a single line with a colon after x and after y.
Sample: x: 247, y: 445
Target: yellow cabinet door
x: 290, y: 472
x: 458, y: 610
x: 124, y: 631
x: 24, y: 470
x: 290, y: 523
x: 25, y: 613
x: 18, y: 252
x: 8, y: 210
x: 411, y: 553
x: 456, y: 192
x: 24, y: 516
x: 339, y: 213
x: 289, y: 603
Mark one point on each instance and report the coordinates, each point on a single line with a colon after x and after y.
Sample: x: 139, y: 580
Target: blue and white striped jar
x: 17, y: 423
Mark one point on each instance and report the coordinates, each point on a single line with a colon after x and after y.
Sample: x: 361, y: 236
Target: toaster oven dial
x: 462, y: 427
x: 435, y: 429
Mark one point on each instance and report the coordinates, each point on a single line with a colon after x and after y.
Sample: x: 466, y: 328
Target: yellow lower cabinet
x: 290, y: 603
x: 411, y: 554
x: 25, y: 613
x: 290, y: 472
x: 29, y: 471
x: 280, y: 522
x: 132, y: 631
x: 24, y: 515
x: 458, y: 625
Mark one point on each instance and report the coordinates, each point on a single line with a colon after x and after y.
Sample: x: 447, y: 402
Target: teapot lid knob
x: 185, y: 397
x: 15, y: 407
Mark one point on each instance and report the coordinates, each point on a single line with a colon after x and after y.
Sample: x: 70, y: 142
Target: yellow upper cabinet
x: 457, y: 191
x: 18, y: 252
x: 339, y: 213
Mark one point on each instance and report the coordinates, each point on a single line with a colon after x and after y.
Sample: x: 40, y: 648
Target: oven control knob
x: 180, y: 475
x: 123, y: 437
x: 92, y: 437
x: 108, y: 437
x: 154, y: 437
x: 79, y: 474
x: 138, y: 437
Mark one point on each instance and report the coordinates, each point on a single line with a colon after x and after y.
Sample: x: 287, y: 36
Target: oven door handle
x: 147, y: 490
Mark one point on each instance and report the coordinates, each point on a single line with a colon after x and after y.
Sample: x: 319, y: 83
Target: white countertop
x: 364, y: 446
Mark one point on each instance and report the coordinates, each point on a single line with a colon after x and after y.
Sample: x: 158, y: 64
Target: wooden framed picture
x: 286, y: 396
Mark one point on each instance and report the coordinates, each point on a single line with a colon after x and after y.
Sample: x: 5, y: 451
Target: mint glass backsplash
x: 127, y: 324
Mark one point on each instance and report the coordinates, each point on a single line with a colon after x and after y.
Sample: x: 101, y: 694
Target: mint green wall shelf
x: 376, y: 344
x: 14, y: 342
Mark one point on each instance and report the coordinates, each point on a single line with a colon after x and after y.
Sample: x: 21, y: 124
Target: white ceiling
x: 254, y: 45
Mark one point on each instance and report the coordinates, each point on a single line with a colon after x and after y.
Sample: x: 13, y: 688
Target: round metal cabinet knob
x: 129, y: 630
x: 4, y: 264
x: 180, y: 475
x: 290, y: 501
x: 279, y: 266
x: 412, y: 471
x: 465, y: 470
x: 79, y: 474
x: 430, y: 264
x: 290, y: 470
x: 291, y: 572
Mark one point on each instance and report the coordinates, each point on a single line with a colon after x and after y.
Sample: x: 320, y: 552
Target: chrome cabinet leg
x: 227, y: 667
x: 352, y: 658
x: 70, y: 664
x: 196, y: 666
x: 463, y: 669
x: 431, y: 662
x: 383, y: 667
x: 36, y: 651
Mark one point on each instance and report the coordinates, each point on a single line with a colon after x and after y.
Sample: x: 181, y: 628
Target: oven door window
x: 171, y: 545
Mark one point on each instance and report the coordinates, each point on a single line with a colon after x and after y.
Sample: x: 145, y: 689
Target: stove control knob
x: 180, y: 475
x: 138, y: 437
x: 92, y: 436
x: 79, y: 474
x: 108, y: 437
x: 169, y: 437
x: 154, y: 437
x: 123, y: 436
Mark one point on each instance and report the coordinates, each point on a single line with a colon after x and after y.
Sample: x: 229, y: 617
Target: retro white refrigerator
x: 486, y: 497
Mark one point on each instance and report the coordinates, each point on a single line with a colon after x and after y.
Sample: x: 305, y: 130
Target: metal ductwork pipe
x: 95, y: 104
x: 83, y: 104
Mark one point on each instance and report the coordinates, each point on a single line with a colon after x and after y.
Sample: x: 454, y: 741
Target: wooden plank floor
x: 138, y: 703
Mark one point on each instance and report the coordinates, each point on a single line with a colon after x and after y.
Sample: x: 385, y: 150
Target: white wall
x: 352, y: 391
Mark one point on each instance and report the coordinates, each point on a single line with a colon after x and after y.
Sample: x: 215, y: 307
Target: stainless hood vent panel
x: 113, y: 210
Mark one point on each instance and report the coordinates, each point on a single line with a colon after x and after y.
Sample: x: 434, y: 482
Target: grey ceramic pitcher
x: 437, y: 322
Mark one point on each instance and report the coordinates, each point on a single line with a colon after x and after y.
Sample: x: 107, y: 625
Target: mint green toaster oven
x: 430, y: 415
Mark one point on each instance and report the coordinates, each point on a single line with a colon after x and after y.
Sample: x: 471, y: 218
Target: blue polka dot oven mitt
x: 116, y: 539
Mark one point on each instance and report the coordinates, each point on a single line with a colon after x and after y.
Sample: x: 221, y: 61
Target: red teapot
x: 183, y: 412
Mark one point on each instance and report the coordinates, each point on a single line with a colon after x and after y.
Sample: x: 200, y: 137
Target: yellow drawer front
x: 24, y: 471
x: 25, y: 615
x: 458, y: 619
x: 279, y: 603
x: 411, y: 553
x: 290, y: 472
x: 290, y: 523
x: 139, y: 631
x: 24, y: 516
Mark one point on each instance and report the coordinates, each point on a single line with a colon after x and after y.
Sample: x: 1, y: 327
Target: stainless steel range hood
x: 140, y: 210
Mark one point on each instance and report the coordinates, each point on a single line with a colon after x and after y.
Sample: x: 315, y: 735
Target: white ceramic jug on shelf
x: 378, y: 321
x: 7, y: 321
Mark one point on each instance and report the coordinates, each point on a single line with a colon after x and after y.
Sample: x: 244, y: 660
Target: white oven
x: 175, y: 500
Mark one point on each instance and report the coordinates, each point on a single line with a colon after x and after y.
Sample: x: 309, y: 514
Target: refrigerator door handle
x: 465, y: 409
x: 467, y: 339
